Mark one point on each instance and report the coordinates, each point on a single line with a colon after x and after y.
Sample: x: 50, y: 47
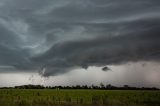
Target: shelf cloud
x: 55, y: 37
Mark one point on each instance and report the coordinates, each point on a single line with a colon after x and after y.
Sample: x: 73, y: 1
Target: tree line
x: 101, y: 86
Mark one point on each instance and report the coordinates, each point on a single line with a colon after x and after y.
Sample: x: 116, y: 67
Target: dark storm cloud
x: 105, y: 68
x: 58, y: 36
x: 10, y: 52
x: 140, y: 45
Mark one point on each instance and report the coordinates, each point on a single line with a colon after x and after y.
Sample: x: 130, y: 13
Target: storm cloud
x: 55, y: 37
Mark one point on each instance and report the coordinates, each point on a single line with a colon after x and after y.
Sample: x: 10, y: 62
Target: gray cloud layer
x: 57, y: 36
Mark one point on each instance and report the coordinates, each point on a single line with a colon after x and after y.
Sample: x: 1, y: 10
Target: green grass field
x: 49, y: 97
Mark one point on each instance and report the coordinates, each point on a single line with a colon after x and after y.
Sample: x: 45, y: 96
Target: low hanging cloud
x: 133, y: 46
x: 55, y: 37
x: 106, y: 69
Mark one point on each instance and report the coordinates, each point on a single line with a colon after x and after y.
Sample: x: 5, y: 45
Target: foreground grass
x: 48, y: 97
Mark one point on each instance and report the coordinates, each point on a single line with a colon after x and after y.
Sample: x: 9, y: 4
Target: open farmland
x: 49, y: 97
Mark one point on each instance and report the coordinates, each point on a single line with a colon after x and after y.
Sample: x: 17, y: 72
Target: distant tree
x: 109, y: 86
x: 126, y: 86
x: 78, y: 87
x: 102, y: 85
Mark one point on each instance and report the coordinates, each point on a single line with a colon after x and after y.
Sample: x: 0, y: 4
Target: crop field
x: 49, y: 97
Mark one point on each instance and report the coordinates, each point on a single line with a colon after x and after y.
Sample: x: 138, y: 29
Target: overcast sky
x: 88, y: 41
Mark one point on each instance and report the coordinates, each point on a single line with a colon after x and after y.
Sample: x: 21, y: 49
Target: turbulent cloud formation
x: 106, y: 68
x: 58, y: 36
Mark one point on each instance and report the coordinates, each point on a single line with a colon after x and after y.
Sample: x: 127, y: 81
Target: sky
x: 70, y: 42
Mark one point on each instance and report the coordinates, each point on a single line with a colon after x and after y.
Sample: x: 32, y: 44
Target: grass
x: 49, y: 97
